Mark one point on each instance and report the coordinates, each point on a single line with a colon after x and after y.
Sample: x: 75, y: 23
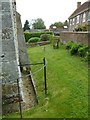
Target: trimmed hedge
x: 29, y: 35
x: 34, y: 39
x: 44, y: 37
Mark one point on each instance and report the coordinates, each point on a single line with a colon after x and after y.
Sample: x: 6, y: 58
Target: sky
x: 49, y: 10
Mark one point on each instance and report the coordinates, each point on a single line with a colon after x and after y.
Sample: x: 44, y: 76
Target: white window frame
x: 84, y: 17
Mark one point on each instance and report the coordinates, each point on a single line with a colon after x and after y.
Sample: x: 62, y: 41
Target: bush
x: 29, y: 35
x: 81, y: 28
x: 74, y: 48
x: 78, y: 28
x: 82, y: 51
x: 87, y: 57
x: 44, y: 37
x: 56, y: 42
x: 33, y: 39
x: 69, y: 45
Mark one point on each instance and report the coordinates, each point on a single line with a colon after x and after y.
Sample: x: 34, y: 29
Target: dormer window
x: 84, y: 17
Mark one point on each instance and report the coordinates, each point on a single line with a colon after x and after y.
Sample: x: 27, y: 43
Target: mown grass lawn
x: 67, y: 82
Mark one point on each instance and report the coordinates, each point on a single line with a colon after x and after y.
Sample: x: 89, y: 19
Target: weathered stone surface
x: 0, y: 60
x: 10, y: 71
x: 5, y: 6
x: 12, y: 54
x: 29, y: 92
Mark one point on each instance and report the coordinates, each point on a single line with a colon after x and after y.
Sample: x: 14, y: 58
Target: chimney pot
x: 78, y: 4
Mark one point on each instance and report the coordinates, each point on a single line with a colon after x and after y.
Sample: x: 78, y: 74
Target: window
x: 78, y: 18
x: 84, y: 17
x: 70, y: 22
x: 73, y: 21
x: 89, y: 16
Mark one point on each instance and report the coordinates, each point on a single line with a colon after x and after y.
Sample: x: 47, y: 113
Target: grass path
x: 67, y: 81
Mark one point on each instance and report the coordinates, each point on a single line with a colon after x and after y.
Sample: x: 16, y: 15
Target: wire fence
x: 16, y: 97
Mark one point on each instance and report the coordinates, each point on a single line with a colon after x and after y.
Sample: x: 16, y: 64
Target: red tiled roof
x: 84, y: 6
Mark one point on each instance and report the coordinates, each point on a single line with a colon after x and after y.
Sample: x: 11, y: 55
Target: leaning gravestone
x: 12, y: 54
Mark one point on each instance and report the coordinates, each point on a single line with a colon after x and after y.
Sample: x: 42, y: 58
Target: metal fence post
x: 45, y: 82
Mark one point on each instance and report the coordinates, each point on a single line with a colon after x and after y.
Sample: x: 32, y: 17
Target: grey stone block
x: 5, y: 6
x: 7, y: 33
x: 6, y: 20
x: 9, y: 72
x: 8, y: 45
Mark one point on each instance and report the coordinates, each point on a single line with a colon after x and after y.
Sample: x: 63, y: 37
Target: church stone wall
x: 10, y: 59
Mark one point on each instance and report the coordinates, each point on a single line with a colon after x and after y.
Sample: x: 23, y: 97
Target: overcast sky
x: 49, y: 10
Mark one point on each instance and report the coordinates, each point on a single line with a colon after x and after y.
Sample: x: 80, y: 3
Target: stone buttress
x: 12, y: 54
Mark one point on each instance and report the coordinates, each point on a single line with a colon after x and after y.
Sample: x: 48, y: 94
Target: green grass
x: 67, y: 82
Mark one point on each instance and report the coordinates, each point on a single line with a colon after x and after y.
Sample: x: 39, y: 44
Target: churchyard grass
x: 67, y: 84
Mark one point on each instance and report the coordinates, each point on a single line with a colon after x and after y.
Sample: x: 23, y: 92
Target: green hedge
x: 44, y: 37
x: 29, y: 35
x: 34, y: 39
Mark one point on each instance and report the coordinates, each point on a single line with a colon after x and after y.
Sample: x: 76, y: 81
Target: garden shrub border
x: 78, y: 49
x: 29, y: 35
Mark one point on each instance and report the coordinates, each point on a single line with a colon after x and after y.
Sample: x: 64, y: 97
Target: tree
x: 26, y: 26
x: 38, y: 24
x: 66, y: 23
x: 57, y: 24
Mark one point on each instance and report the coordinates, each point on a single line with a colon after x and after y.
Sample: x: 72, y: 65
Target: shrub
x: 69, y: 45
x: 44, y: 37
x: 56, y: 42
x: 81, y: 28
x: 78, y: 28
x: 74, y: 48
x: 82, y: 51
x: 29, y: 35
x: 87, y: 57
x: 33, y: 39
x: 84, y: 28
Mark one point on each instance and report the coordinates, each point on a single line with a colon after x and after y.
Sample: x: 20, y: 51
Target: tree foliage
x: 60, y: 24
x: 26, y: 26
x: 66, y: 23
x: 38, y: 24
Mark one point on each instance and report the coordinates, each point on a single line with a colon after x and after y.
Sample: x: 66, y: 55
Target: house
x: 57, y: 30
x: 81, y: 16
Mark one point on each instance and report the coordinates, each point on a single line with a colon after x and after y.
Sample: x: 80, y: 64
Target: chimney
x: 78, y: 4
